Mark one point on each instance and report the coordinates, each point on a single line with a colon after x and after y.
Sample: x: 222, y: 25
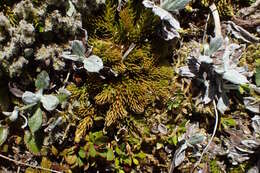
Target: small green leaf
x: 98, y: 137
x: 117, y: 162
x: 31, y: 143
x: 257, y: 76
x: 128, y: 161
x: 135, y: 161
x: 92, y: 150
x: 159, y: 145
x: 118, y: 151
x: 3, y: 134
x: 71, y: 159
x: 80, y: 162
x: 228, y: 122
x: 141, y: 155
x: 110, y: 154
x: 175, y: 140
x: 46, y: 163
x: 82, y: 153
x: 35, y: 121
x: 42, y: 81
x: 41, y: 29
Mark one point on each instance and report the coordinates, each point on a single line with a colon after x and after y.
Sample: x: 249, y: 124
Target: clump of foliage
x: 141, y: 79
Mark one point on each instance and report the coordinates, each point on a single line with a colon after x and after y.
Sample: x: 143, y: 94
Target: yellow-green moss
x: 250, y: 56
x: 224, y: 7
x: 141, y: 78
x: 214, y: 167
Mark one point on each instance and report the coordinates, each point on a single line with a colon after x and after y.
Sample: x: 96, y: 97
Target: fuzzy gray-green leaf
x: 171, y: 5
x: 49, y: 102
x: 78, y: 48
x: 31, y: 143
x: 257, y: 76
x: 35, y: 121
x: 215, y: 44
x: 3, y: 134
x: 42, y: 81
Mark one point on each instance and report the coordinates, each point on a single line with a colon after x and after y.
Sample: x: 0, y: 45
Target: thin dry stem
x: 28, y: 165
x: 212, y: 137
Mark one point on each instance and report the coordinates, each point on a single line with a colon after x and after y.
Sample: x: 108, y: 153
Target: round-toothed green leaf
x: 31, y: 143
x: 35, y: 121
x: 42, y: 81
x: 3, y: 134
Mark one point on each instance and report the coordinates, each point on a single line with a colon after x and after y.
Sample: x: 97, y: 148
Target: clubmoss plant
x: 126, y: 41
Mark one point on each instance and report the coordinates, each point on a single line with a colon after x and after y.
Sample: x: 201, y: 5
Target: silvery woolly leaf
x: 196, y: 139
x: 30, y: 98
x: 256, y: 123
x: 64, y: 91
x: 69, y: 56
x: 121, y: 4
x: 154, y: 129
x: 100, y: 1
x: 241, y: 33
x: 223, y: 103
x: 205, y: 59
x: 78, y: 48
x: 93, y: 64
x: 208, y: 94
x: 164, y: 16
x: 172, y: 5
x: 215, y: 44
x: 12, y: 115
x: 42, y: 81
x: 3, y: 134
x: 49, y: 102
x: 169, y: 34
x: 234, y: 77
x: 250, y: 144
x: 226, y: 59
x: 255, y: 88
x: 15, y: 90
x: 251, y: 104
x: 162, y: 129
x: 254, y: 169
x: 179, y: 155
x: 71, y: 9
x: 185, y: 72
x: 35, y: 121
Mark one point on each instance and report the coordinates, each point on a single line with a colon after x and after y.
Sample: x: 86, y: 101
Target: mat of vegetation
x: 130, y: 86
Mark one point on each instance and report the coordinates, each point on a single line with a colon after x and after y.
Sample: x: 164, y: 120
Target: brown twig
x: 248, y: 23
x: 28, y: 165
x: 250, y: 10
